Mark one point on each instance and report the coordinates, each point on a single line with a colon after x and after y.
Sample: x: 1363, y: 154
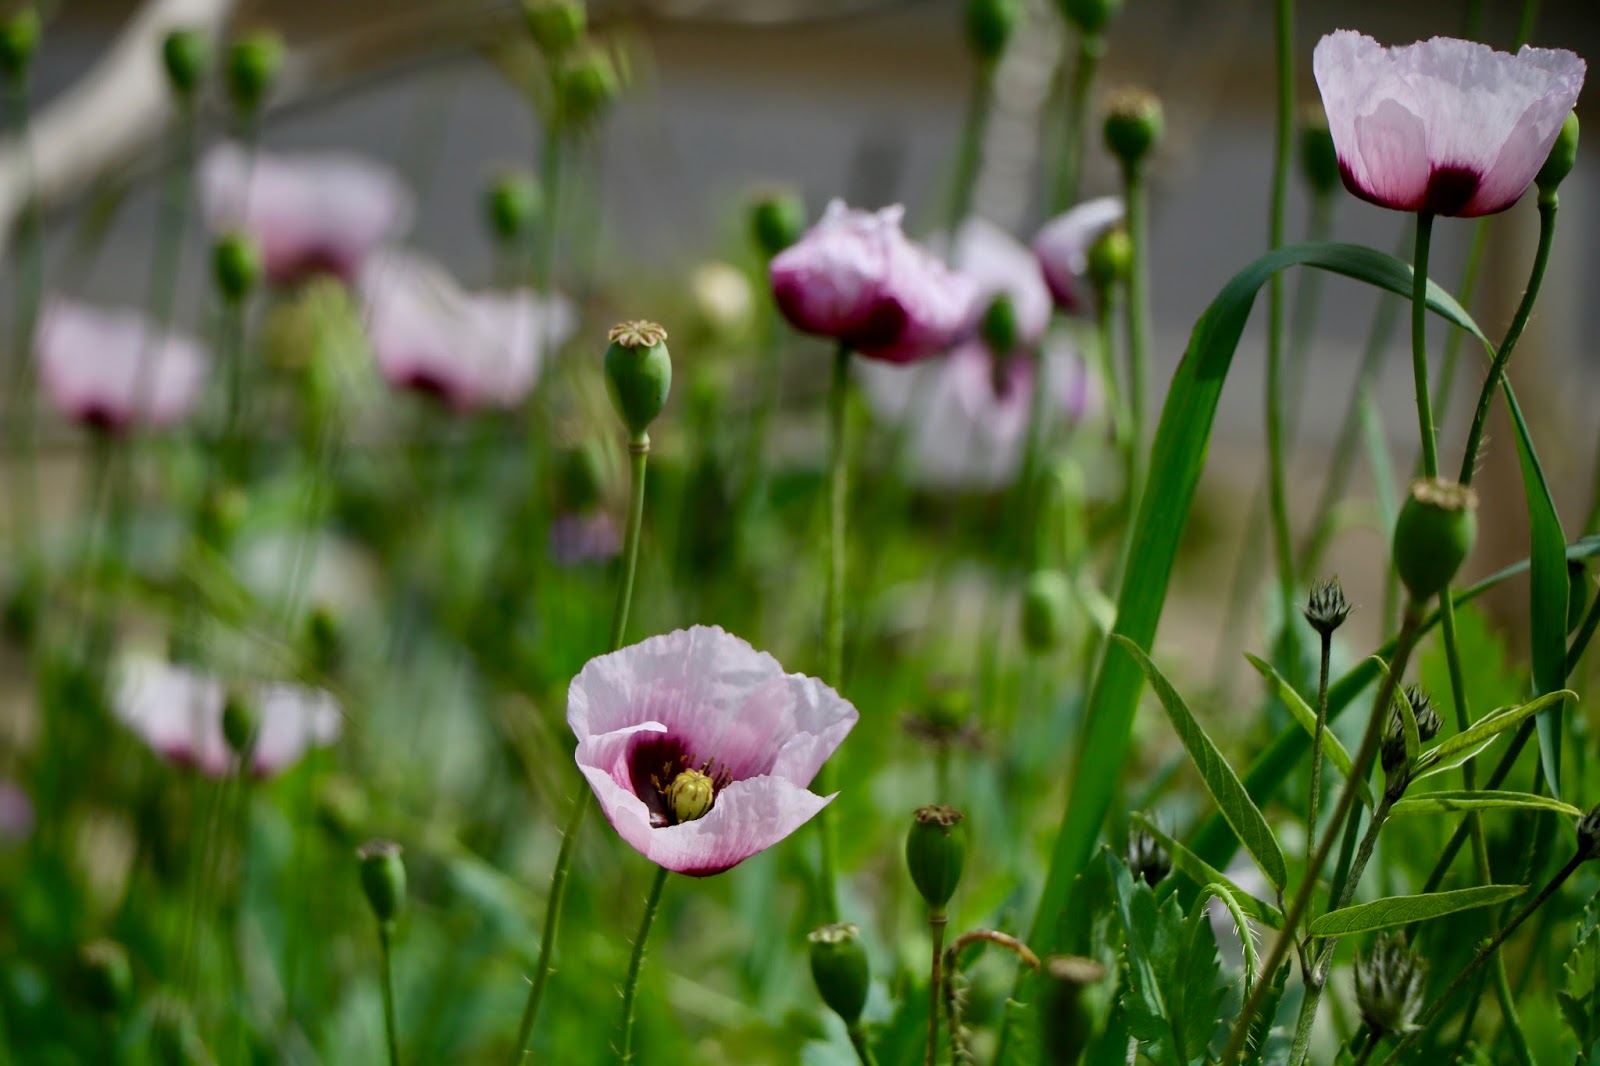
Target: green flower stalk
x: 630, y: 988
x: 383, y: 881
x: 1089, y: 18
x: 936, y: 853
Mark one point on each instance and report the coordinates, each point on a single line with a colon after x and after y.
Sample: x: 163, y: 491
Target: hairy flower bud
x: 1326, y: 608
x: 1563, y: 156
x: 1434, y: 534
x: 19, y: 42
x: 1091, y: 17
x: 186, y: 55
x: 253, y: 65
x: 383, y: 878
x: 556, y: 26
x: 235, y: 266
x: 936, y: 853
x: 1389, y: 984
x: 777, y: 219
x: 1319, y: 162
x: 989, y: 25
x: 1147, y: 858
x: 1133, y: 126
x: 839, y: 968
x: 638, y: 373
x: 1065, y: 1024
x: 511, y: 203
x: 1046, y: 602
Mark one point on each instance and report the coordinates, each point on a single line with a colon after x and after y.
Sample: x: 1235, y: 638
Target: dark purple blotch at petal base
x: 1450, y: 189
x: 654, y: 761
x: 882, y: 329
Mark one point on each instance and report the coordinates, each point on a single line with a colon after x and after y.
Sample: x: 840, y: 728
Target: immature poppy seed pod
x: 383, y: 878
x: 19, y: 42
x: 936, y: 852
x: 186, y: 55
x: 1434, y: 534
x: 235, y: 266
x: 839, y: 968
x: 1563, y: 156
x: 253, y: 65
x: 1091, y: 17
x: 1147, y: 859
x: 586, y: 85
x: 239, y: 724
x: 1326, y: 608
x: 104, y: 975
x: 1319, y: 160
x: 1110, y: 259
x: 989, y: 25
x: 638, y: 373
x: 1065, y: 1025
x: 1133, y: 126
x: 556, y: 26
x: 999, y: 328
x: 777, y: 219
x: 1389, y: 983
x: 511, y: 203
x: 1046, y: 602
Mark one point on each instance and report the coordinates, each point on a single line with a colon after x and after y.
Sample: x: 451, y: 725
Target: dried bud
x: 1326, y: 608
x: 638, y: 374
x: 1091, y: 17
x: 186, y: 55
x: 586, y: 86
x: 1133, y: 126
x: 104, y: 975
x: 1434, y: 534
x: 936, y: 852
x: 1147, y: 858
x: 253, y: 65
x: 999, y: 327
x: 1046, y: 603
x: 839, y: 968
x: 1589, y: 834
x: 239, y: 724
x: 1563, y: 155
x: 511, y: 204
x: 556, y: 26
x: 1389, y: 985
x: 989, y: 26
x: 383, y: 878
x: 19, y: 42
x: 1110, y: 259
x: 235, y: 266
x: 777, y: 219
x: 1319, y: 163
x: 1065, y: 1024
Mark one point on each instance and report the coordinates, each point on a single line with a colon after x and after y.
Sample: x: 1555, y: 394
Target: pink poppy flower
x: 584, y: 537
x: 999, y: 265
x: 971, y: 423
x: 311, y: 212
x: 699, y: 748
x: 1063, y: 244
x: 856, y: 277
x: 109, y: 369
x: 1443, y: 126
x: 178, y: 712
x: 472, y: 350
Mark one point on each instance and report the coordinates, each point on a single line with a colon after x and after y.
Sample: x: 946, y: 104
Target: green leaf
x: 1403, y: 910
x: 1490, y: 726
x: 1447, y: 801
x: 1548, y: 588
x: 1192, y: 866
x: 1332, y: 747
x: 1177, y: 458
x: 1247, y: 944
x: 1580, y: 998
x: 1220, y: 780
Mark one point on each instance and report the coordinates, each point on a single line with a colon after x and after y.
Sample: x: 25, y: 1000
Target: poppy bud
x: 1326, y: 608
x: 19, y: 41
x: 1066, y: 1026
x: 1319, y: 162
x: 511, y: 204
x: 839, y: 968
x: 936, y: 851
x: 105, y: 976
x: 253, y: 65
x: 1110, y: 259
x: 556, y: 26
x: 638, y: 374
x: 1563, y: 155
x: 1091, y: 17
x: 1147, y: 859
x: 1133, y: 126
x: 239, y: 724
x: 1434, y: 534
x: 1389, y: 985
x: 989, y: 25
x: 185, y: 54
x: 586, y: 85
x: 1046, y: 601
x: 383, y: 878
x: 777, y: 219
x: 235, y: 266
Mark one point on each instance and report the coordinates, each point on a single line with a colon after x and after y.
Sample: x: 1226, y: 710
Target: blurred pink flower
x: 856, y: 277
x: 1063, y: 244
x: 647, y: 717
x: 998, y: 264
x: 472, y: 350
x: 584, y: 538
x: 16, y: 812
x: 178, y: 712
x: 1443, y: 126
x: 311, y: 212
x: 109, y: 369
x: 970, y: 425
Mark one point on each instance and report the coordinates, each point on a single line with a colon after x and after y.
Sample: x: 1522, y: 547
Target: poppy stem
x: 1069, y: 165
x: 1419, y: 344
x: 833, y: 605
x: 29, y: 275
x: 936, y: 925
x: 630, y: 990
x: 1277, y: 491
x: 390, y: 1030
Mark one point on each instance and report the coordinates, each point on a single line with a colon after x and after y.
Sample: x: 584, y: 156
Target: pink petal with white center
x: 1445, y: 126
x: 1062, y: 247
x: 108, y: 368
x: 310, y: 212
x: 997, y: 263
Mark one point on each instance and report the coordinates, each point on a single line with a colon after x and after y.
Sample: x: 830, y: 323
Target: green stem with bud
x: 630, y: 990
x: 970, y: 155
x: 937, y: 920
x: 1419, y: 344
x: 390, y: 1029
x: 1315, y: 799
x: 638, y: 456
x: 833, y: 606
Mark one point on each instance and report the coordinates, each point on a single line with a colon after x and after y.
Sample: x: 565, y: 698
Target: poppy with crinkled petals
x: 699, y: 748
x: 855, y: 276
x: 1443, y: 126
x: 112, y: 370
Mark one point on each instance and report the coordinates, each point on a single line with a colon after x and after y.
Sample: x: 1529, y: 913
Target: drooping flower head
x: 111, y: 370
x: 699, y: 748
x: 1442, y: 126
x: 1063, y: 244
x: 472, y: 350
x: 856, y: 277
x: 179, y: 713
x: 310, y: 213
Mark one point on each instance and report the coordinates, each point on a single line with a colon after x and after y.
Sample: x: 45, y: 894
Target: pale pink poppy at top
x: 178, y: 712
x: 471, y: 350
x: 855, y: 276
x: 110, y: 369
x: 310, y: 212
x: 698, y: 702
x: 1442, y: 126
x: 998, y: 264
x: 1062, y: 246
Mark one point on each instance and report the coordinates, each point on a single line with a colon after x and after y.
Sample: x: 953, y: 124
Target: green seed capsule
x: 638, y: 373
x: 383, y: 878
x: 235, y: 266
x: 936, y: 852
x: 1133, y: 126
x: 1046, y: 604
x: 989, y: 25
x: 1563, y: 156
x: 556, y: 26
x: 253, y: 65
x: 1434, y: 534
x: 777, y: 219
x: 839, y: 968
x: 1111, y: 259
x: 511, y: 204
x: 186, y: 54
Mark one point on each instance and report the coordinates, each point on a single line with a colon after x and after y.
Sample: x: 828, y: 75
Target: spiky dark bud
x: 1147, y: 858
x: 383, y: 878
x: 1394, y: 739
x: 1389, y: 984
x: 1326, y: 608
x: 1133, y: 126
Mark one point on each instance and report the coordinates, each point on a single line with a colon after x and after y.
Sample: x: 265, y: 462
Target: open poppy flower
x: 110, y: 370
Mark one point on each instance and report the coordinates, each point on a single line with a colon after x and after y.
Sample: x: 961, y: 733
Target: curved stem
x: 1419, y: 345
x: 1283, y: 551
x: 630, y: 990
x: 639, y: 455
x: 937, y: 921
x: 389, y: 1028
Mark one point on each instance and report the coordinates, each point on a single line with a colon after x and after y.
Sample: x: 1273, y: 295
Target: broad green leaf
x: 1190, y: 865
x: 1490, y: 726
x: 1220, y: 780
x: 1176, y: 461
x: 1332, y: 747
x: 1403, y: 910
x: 1548, y: 587
x: 1447, y: 801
